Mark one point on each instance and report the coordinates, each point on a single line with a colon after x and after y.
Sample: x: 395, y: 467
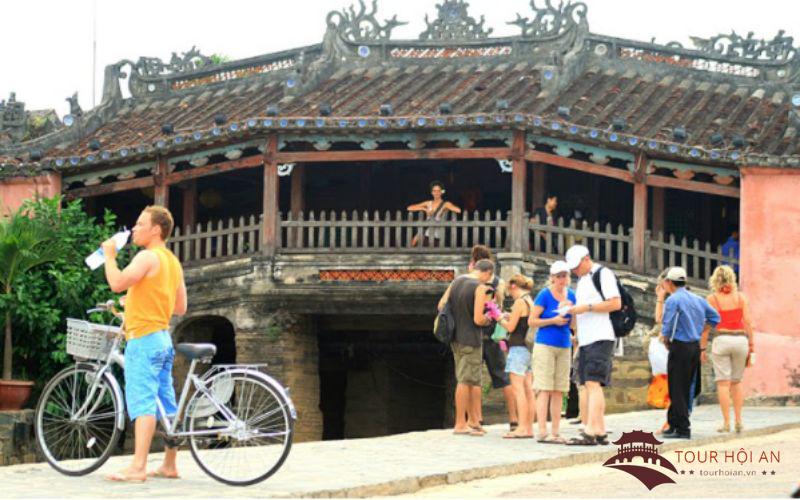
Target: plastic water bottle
x: 98, y: 258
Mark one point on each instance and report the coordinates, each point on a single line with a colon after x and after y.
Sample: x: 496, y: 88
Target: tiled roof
x: 566, y: 76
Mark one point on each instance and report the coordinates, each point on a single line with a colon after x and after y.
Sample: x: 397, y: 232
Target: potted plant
x: 24, y: 244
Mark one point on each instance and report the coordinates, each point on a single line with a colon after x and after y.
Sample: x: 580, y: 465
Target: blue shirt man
x: 688, y: 314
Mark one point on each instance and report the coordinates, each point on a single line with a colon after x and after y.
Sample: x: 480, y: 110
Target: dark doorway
x: 380, y: 376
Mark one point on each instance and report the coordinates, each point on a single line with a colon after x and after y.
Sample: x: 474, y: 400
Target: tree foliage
x: 46, y: 296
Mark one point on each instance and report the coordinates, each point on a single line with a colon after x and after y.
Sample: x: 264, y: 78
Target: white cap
x: 575, y: 255
x: 558, y: 267
x: 676, y: 274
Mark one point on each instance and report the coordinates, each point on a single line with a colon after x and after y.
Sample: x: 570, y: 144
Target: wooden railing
x: 217, y: 240
x: 343, y: 233
x: 607, y: 245
x: 387, y: 233
x: 698, y: 259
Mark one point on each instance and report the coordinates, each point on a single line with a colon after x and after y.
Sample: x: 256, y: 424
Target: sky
x: 46, y: 45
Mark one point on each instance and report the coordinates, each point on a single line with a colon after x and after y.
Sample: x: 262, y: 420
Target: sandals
x: 470, y: 432
x: 738, y: 427
x: 513, y: 426
x: 724, y: 427
x: 511, y: 435
x: 555, y: 439
x: 583, y: 440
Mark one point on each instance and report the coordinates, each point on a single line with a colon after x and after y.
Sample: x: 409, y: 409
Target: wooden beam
x: 700, y: 187
x: 393, y: 154
x: 111, y: 188
x: 161, y: 183
x: 580, y: 165
x: 215, y: 168
x: 269, y: 239
x: 519, y: 236
x: 298, y: 196
x: 639, y: 214
x: 189, y: 218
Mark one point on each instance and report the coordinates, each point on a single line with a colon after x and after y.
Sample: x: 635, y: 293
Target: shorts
x: 729, y: 356
x: 148, y: 375
x: 519, y: 361
x: 495, y: 363
x: 551, y: 368
x: 468, y: 364
x: 595, y: 362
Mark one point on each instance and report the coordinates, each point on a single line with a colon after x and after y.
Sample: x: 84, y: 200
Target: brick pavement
x: 385, y: 466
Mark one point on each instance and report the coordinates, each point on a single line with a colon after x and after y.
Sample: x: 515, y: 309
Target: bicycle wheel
x: 256, y: 445
x: 76, y: 442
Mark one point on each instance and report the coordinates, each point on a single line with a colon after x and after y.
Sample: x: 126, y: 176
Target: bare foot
x: 163, y: 473
x: 128, y: 476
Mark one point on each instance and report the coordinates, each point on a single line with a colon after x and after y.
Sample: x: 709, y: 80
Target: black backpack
x: 444, y: 326
x: 623, y: 320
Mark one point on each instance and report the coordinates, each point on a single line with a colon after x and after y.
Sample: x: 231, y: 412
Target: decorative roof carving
x: 12, y: 118
x: 454, y: 23
x: 362, y: 26
x: 74, y: 106
x: 551, y: 21
x: 153, y: 66
x: 779, y: 49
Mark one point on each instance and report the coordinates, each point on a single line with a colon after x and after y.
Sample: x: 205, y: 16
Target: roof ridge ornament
x: 453, y: 22
x: 191, y: 60
x: 552, y: 21
x: 779, y: 49
x: 362, y: 26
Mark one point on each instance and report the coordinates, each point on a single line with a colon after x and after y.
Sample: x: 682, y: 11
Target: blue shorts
x: 148, y: 375
x: 519, y: 361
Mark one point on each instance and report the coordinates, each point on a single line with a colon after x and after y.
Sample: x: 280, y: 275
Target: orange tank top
x: 151, y: 301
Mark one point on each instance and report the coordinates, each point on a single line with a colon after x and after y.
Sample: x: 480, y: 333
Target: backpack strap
x: 596, y: 282
x: 437, y: 211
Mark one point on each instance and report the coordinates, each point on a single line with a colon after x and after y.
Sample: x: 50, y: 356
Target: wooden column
x: 639, y: 213
x: 658, y: 210
x: 539, y: 185
x: 269, y: 232
x: 298, y: 196
x: 519, y: 236
x: 189, y: 203
x: 161, y: 183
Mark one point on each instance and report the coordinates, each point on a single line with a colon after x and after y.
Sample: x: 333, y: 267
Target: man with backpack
x: 596, y: 337
x: 463, y: 307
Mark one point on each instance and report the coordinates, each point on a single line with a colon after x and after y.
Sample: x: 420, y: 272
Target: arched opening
x: 215, y: 330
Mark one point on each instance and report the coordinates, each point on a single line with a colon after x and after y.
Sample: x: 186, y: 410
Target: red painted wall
x: 770, y: 274
x: 15, y: 190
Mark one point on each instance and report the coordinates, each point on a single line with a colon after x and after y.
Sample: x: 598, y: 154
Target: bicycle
x: 81, y: 413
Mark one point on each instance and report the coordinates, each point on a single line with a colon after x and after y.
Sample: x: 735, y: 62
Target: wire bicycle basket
x: 87, y: 340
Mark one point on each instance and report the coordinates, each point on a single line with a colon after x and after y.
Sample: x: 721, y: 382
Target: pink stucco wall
x: 15, y: 190
x: 770, y: 274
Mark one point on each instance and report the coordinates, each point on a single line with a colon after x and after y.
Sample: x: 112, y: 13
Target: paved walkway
x: 386, y: 466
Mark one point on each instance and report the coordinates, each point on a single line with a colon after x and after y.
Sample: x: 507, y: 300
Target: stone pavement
x: 387, y: 466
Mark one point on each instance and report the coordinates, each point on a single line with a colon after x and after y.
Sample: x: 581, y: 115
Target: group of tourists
x: 560, y: 335
x: 538, y: 376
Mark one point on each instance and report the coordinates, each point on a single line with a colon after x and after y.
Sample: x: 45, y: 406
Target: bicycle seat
x: 196, y: 351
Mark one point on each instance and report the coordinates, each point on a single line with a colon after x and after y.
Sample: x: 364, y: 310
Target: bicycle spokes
x: 250, y: 446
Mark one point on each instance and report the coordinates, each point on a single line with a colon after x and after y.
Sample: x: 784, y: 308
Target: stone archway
x: 211, y: 329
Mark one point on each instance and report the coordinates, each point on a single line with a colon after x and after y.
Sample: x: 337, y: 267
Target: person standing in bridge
x: 156, y: 291
x: 435, y: 210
